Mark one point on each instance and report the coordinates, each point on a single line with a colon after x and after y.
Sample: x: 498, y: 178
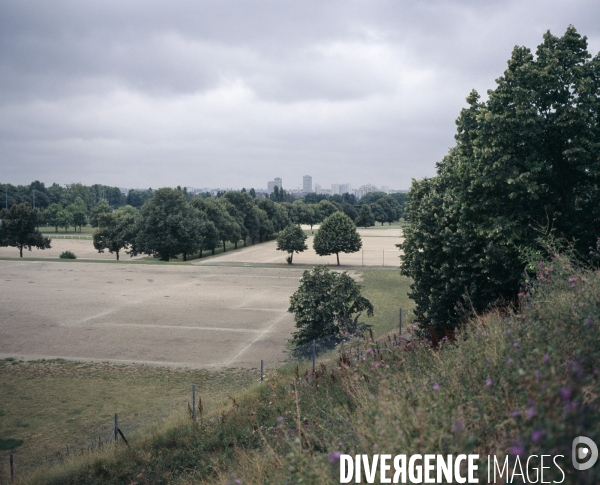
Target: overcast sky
x: 233, y: 93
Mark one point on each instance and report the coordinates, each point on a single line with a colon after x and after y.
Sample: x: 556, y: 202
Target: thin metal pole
x: 400, y: 329
x: 12, y: 467
x: 262, y: 370
x: 116, y: 427
x: 314, y: 353
x: 194, y: 402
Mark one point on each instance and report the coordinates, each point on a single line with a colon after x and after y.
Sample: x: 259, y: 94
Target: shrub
x: 67, y: 255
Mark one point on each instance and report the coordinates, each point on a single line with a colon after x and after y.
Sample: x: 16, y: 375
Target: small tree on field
x: 64, y: 218
x: 327, y: 304
x: 115, y: 232
x: 18, y: 229
x: 292, y: 239
x: 337, y: 235
x: 365, y: 216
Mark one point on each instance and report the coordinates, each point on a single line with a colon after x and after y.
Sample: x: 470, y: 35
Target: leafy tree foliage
x: 365, y: 216
x: 49, y: 216
x: 64, y: 218
x: 337, y: 235
x: 327, y: 304
x: 526, y: 164
x: 115, y: 232
x: 19, y: 230
x: 292, y: 239
x: 103, y: 207
x: 167, y: 226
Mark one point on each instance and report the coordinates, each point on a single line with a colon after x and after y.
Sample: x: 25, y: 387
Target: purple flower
x: 334, y: 457
x: 565, y: 393
x: 369, y: 350
x: 515, y: 413
x: 508, y: 362
x: 488, y: 383
x: 536, y: 436
x: 531, y: 412
x: 281, y: 419
x: 377, y: 365
x: 458, y: 426
x: 538, y: 375
x: 589, y: 321
x: 516, y: 345
x: 546, y: 358
x: 517, y: 450
x: 436, y: 387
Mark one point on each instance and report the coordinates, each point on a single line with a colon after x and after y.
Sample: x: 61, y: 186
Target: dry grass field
x: 201, y: 317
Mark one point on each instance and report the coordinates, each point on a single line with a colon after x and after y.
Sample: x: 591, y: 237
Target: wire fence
x: 380, y: 257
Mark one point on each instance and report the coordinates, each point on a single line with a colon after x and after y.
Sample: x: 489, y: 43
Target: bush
x: 67, y: 255
x: 327, y: 304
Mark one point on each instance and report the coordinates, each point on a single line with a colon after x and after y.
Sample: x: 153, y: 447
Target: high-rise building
x: 277, y: 181
x: 385, y: 189
x: 307, y: 184
x: 317, y: 188
x: 335, y: 189
x: 345, y: 189
x: 270, y: 186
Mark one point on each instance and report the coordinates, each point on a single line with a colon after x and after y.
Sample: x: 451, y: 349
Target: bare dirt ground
x: 377, y: 251
x: 200, y: 317
x: 83, y: 249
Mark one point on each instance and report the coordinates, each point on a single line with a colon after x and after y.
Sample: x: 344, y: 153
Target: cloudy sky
x: 233, y: 93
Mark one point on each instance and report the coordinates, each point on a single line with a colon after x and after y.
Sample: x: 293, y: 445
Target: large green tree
x: 115, y: 232
x: 337, y: 234
x: 292, y: 240
x: 19, y: 229
x: 167, y: 226
x: 327, y: 304
x: 526, y: 165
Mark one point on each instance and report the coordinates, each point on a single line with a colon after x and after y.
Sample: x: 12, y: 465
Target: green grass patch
x: 49, y: 405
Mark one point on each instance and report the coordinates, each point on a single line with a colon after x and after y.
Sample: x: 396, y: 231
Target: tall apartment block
x: 307, y: 184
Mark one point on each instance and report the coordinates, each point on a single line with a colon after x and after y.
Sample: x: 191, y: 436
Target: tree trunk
x: 291, y: 257
x: 244, y: 242
x: 260, y: 238
x: 224, y: 246
x: 21, y: 251
x: 184, y: 256
x: 235, y: 245
x: 117, y: 254
x: 56, y: 229
x: 213, y: 251
x: 338, y: 258
x: 200, y: 253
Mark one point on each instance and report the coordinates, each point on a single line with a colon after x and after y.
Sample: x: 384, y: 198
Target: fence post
x: 116, y: 427
x: 314, y: 353
x: 262, y: 370
x: 194, y: 402
x: 12, y: 467
x: 400, y: 330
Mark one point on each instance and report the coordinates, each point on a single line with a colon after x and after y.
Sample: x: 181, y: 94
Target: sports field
x: 199, y: 317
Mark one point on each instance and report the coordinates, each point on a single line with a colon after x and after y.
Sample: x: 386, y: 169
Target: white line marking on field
x: 168, y: 327
x: 255, y: 340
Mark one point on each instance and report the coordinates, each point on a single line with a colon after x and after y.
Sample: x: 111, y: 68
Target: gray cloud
x: 232, y: 94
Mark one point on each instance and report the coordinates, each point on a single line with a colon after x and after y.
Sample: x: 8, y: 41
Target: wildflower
x: 369, y: 350
x: 334, y: 457
x: 565, y: 393
x: 536, y: 436
x: 515, y: 413
x: 516, y: 345
x: 436, y: 387
x: 517, y: 450
x: 531, y: 412
x: 458, y: 426
x: 589, y: 321
x: 546, y: 358
x: 488, y: 383
x: 508, y: 362
x: 281, y: 419
x: 377, y: 365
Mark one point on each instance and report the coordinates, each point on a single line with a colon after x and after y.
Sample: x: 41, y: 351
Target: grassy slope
x: 521, y: 383
x: 49, y: 405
